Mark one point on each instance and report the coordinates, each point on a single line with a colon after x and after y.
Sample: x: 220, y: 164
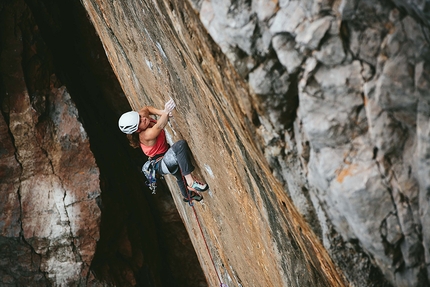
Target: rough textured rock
x: 254, y: 234
x: 142, y: 238
x: 359, y: 134
x: 50, y: 219
x: 338, y: 97
x: 314, y: 140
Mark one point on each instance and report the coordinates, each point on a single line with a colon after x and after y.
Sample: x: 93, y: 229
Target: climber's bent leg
x: 180, y: 155
x: 169, y: 163
x: 183, y: 156
x: 181, y: 184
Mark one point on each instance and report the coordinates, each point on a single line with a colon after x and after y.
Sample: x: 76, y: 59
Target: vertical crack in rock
x: 44, y: 221
x: 20, y: 221
x: 54, y: 185
x: 22, y: 237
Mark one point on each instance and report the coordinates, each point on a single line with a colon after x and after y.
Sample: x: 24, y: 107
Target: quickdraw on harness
x: 149, y: 169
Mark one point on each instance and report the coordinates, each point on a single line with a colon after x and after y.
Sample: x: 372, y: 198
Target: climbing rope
x: 190, y: 202
x: 207, y: 247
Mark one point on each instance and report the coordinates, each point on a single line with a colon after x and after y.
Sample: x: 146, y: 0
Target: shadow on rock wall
x: 142, y: 238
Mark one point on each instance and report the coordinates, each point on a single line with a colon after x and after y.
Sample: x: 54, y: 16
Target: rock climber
x: 147, y: 133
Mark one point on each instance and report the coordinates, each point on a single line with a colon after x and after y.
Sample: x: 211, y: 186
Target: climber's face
x: 143, y: 123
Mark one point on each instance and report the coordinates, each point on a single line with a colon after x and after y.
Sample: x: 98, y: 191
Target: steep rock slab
x: 353, y: 160
x: 257, y: 238
x: 50, y: 218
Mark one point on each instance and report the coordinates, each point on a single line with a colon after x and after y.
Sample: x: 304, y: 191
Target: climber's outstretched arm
x: 151, y: 133
x: 149, y: 110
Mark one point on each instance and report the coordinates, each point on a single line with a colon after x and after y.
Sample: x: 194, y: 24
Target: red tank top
x: 160, y: 147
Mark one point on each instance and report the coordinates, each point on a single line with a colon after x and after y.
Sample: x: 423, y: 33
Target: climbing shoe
x: 195, y: 197
x: 198, y: 186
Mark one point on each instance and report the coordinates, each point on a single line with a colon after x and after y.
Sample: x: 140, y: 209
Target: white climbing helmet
x: 129, y: 122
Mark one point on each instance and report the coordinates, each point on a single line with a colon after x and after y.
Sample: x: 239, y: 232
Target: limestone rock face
x: 357, y: 144
x: 49, y: 178
x: 327, y: 105
x: 254, y: 234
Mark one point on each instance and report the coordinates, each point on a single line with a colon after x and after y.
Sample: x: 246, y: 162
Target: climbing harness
x: 149, y: 169
x: 190, y: 202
